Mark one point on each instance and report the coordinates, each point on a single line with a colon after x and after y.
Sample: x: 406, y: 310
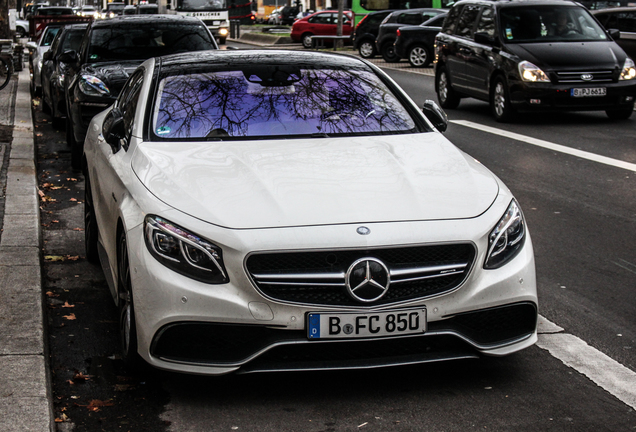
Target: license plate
x: 367, y: 325
x: 588, y: 92
x: 216, y: 22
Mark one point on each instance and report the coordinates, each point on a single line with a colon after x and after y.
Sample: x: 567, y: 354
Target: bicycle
x: 6, y: 70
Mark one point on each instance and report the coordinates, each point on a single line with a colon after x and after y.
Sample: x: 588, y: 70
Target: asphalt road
x: 581, y: 216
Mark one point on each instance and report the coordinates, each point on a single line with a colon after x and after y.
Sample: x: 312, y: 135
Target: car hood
x: 113, y: 74
x: 571, y: 55
x: 282, y: 183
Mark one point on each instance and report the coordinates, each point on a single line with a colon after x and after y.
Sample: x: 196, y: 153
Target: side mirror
x: 113, y: 129
x: 484, y: 38
x: 614, y: 33
x: 68, y: 57
x: 32, y: 45
x: 435, y: 115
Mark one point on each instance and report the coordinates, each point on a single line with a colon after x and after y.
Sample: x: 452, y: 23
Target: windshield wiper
x: 319, y: 135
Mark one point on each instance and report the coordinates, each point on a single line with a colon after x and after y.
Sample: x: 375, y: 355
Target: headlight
x: 629, y: 70
x: 532, y: 73
x: 93, y: 86
x: 223, y: 31
x: 507, y: 238
x: 184, y: 252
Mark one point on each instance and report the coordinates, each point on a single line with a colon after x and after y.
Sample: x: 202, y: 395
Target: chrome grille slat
x: 598, y: 76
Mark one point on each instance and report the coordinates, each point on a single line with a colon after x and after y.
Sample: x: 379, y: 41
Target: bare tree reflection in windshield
x: 277, y: 101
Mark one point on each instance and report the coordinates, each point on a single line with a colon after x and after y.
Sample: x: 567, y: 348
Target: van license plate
x: 588, y: 92
x: 365, y: 325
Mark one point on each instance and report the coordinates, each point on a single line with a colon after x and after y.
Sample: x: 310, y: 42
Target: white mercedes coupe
x: 282, y: 211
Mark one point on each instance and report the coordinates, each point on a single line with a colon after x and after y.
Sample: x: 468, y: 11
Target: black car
x: 366, y: 32
x: 534, y: 55
x: 417, y: 43
x: 288, y: 15
x: 388, y: 29
x: 54, y: 71
x: 110, y: 50
x: 623, y: 19
x: 113, y: 9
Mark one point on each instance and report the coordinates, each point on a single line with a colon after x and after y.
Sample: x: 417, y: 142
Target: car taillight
x: 398, y: 33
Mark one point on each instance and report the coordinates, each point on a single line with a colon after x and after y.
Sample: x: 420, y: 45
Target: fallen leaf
x: 67, y: 305
x: 52, y: 294
x: 78, y: 229
x: 81, y: 377
x: 40, y: 193
x: 95, y: 404
x: 38, y: 134
x: 72, y: 258
x: 69, y: 317
x: 53, y: 258
x: 55, y: 221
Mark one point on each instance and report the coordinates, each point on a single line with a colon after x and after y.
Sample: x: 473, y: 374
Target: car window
x: 626, y: 21
x: 137, y: 41
x: 410, y: 18
x: 323, y: 18
x: 73, y: 40
x: 127, y: 101
x: 486, y: 22
x: 450, y: 23
x: 49, y: 35
x: 274, y: 101
x: 467, y: 21
x: 436, y: 21
x: 549, y: 24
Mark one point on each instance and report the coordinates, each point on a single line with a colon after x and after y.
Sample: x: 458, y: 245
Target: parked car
x: 111, y: 49
x: 22, y: 28
x: 274, y: 17
x: 130, y: 10
x: 322, y: 23
x: 417, y: 43
x: 255, y: 211
x: 388, y: 29
x: 532, y: 56
x: 53, y: 10
x: 54, y: 71
x: 88, y: 11
x: 366, y: 32
x: 36, y: 55
x: 113, y: 9
x: 147, y: 9
x: 288, y: 14
x: 623, y: 19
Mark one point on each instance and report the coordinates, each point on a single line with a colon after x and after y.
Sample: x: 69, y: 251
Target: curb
x: 25, y: 391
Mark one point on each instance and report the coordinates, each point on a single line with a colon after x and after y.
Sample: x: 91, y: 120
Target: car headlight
x: 184, y: 252
x: 629, y: 70
x: 507, y: 238
x: 93, y: 86
x: 531, y: 73
x: 223, y: 31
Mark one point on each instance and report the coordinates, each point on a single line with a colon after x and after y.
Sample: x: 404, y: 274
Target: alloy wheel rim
x: 418, y: 56
x: 443, y: 87
x: 500, y: 100
x: 366, y: 49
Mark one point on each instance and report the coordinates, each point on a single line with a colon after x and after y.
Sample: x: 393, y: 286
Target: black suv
x: 366, y: 32
x: 534, y: 55
x: 111, y: 50
x: 400, y: 18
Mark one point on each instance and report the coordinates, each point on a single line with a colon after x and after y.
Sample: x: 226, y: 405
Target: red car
x: 322, y: 23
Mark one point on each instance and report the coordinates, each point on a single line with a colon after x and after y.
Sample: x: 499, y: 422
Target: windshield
x: 549, y: 24
x: 277, y: 101
x: 139, y: 41
x: 201, y: 5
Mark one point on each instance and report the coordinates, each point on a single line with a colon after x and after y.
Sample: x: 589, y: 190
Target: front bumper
x: 188, y: 326
x: 526, y: 97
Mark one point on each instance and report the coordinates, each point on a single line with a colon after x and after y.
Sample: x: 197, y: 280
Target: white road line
x: 598, y: 367
x: 549, y: 145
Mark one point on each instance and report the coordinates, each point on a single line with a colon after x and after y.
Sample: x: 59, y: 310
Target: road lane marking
x: 549, y: 145
x: 604, y: 371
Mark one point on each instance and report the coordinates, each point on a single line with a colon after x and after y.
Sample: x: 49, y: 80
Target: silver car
x: 36, y: 54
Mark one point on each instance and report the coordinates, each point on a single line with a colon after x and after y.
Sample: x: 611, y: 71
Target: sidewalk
x: 25, y: 391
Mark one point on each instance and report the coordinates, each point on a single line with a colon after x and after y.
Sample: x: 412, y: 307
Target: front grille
x: 318, y: 278
x: 280, y: 349
x: 595, y: 76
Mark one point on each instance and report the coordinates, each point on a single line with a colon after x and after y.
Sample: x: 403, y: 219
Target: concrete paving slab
x: 19, y: 230
x: 25, y: 414
x: 23, y: 376
x: 19, y: 256
x: 27, y: 204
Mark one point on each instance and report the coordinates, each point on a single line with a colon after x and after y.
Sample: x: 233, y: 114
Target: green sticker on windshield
x: 94, y: 56
x: 508, y: 33
x: 163, y: 130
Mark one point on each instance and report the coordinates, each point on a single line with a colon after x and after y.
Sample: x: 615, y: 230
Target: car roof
x: 142, y: 19
x: 251, y: 57
x: 520, y: 3
x: 614, y: 9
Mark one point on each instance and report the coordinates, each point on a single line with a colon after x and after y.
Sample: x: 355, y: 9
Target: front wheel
x: 388, y: 53
x: 306, y: 39
x: 419, y: 56
x: 500, y: 101
x: 367, y: 49
x: 446, y: 96
x: 127, y: 322
x: 621, y: 114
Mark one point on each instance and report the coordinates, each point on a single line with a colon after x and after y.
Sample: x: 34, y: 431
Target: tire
x: 306, y: 40
x: 500, y: 101
x: 126, y: 306
x: 5, y: 73
x: 20, y: 32
x: 367, y: 49
x: 447, y: 97
x: 419, y: 56
x: 622, y: 114
x: 90, y: 225
x: 76, y: 149
x: 388, y: 53
x: 35, y: 90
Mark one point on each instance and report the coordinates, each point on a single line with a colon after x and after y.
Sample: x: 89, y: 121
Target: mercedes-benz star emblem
x: 363, y: 230
x: 367, y: 280
x: 587, y: 77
